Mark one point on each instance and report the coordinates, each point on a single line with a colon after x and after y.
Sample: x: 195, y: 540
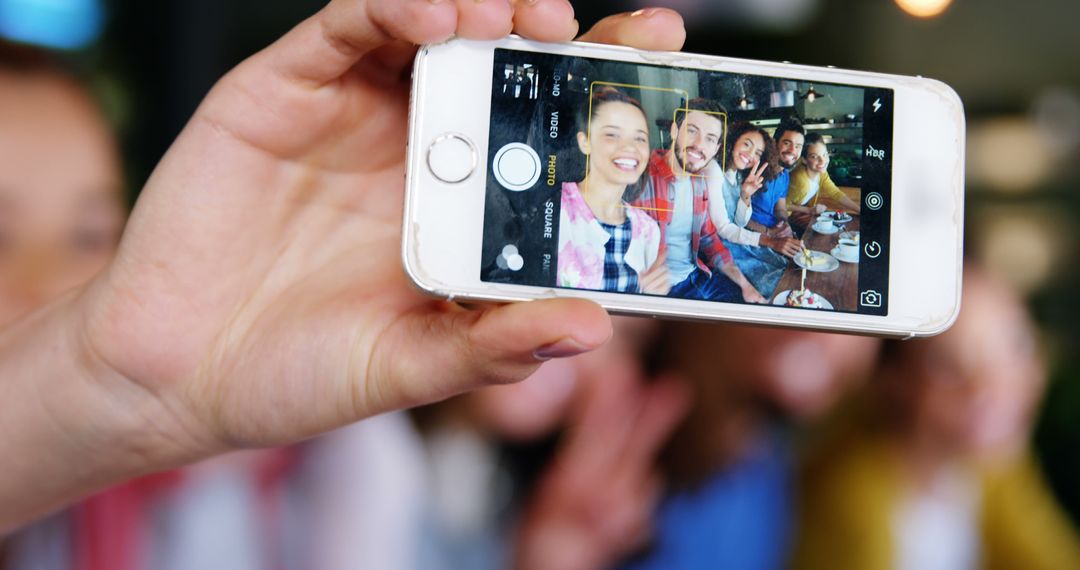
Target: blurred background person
x: 730, y: 464
x: 62, y: 209
x: 61, y: 184
x: 559, y: 471
x: 936, y: 472
x: 61, y: 214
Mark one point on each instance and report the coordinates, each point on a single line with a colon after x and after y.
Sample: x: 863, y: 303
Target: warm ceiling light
x: 810, y: 95
x: 923, y: 8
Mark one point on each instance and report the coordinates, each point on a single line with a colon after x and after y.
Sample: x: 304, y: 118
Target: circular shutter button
x: 516, y: 167
x: 452, y: 158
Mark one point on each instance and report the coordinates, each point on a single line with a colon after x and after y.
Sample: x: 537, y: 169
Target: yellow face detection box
x: 721, y: 156
x: 679, y: 101
x: 680, y: 109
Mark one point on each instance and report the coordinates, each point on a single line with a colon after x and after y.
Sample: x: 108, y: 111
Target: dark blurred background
x: 1015, y: 64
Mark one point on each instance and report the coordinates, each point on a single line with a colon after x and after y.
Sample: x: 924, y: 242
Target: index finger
x: 545, y: 20
x: 665, y: 405
x: 761, y: 170
x: 658, y: 29
x: 326, y: 45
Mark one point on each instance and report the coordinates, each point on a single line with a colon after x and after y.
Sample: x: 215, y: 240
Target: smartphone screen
x: 655, y: 180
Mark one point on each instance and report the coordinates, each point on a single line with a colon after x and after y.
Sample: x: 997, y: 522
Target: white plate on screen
x: 781, y: 300
x: 836, y: 253
x: 823, y: 262
x: 823, y: 228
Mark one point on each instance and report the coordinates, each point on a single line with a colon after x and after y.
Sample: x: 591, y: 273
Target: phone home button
x: 452, y: 158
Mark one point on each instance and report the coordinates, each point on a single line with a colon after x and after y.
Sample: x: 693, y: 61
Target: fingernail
x: 645, y: 12
x: 564, y: 348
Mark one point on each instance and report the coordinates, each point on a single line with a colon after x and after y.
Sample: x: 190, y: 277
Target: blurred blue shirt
x: 65, y: 24
x: 740, y: 519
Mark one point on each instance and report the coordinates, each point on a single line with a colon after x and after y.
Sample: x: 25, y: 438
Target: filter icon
x: 510, y: 259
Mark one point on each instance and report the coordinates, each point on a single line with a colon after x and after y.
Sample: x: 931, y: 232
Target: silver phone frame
x: 443, y: 258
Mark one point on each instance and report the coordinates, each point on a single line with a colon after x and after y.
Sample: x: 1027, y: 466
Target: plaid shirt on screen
x: 618, y: 276
x: 658, y: 201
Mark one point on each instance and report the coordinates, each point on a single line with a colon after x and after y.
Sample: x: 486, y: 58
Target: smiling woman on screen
x: 603, y: 243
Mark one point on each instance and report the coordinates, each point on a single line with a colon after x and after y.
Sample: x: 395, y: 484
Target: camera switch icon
x: 870, y: 298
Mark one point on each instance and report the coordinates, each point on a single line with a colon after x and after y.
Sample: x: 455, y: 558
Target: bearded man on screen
x: 676, y: 195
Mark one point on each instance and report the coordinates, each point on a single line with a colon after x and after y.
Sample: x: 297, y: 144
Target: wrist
x: 69, y: 423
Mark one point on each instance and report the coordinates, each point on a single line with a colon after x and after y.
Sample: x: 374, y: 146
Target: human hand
x: 594, y: 504
x: 751, y: 295
x: 656, y: 280
x: 782, y: 229
x: 784, y: 246
x: 803, y: 219
x: 258, y: 297
x: 754, y: 180
x: 820, y: 209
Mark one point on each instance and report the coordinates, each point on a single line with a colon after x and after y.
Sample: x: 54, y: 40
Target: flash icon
x: 877, y: 104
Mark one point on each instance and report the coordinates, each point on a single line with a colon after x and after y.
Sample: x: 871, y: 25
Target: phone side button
x: 452, y: 158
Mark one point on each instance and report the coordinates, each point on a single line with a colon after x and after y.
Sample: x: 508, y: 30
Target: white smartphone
x: 671, y: 184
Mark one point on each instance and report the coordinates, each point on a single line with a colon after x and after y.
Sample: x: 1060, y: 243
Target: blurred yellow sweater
x: 850, y: 492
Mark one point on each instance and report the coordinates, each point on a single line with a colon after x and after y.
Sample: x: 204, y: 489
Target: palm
x: 273, y: 263
x: 258, y: 294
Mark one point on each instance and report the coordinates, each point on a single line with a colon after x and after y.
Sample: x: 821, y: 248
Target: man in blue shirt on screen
x: 770, y: 204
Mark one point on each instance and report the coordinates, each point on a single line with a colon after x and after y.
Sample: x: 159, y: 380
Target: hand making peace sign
x: 754, y: 180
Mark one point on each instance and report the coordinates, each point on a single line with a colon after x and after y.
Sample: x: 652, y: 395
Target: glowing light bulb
x: 923, y: 8
x: 811, y: 96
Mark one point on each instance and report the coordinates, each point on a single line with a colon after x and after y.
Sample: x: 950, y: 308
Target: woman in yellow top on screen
x: 810, y: 182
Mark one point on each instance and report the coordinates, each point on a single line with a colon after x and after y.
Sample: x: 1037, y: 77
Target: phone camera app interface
x: 648, y: 180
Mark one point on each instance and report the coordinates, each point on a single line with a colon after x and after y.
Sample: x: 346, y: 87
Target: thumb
x: 434, y: 355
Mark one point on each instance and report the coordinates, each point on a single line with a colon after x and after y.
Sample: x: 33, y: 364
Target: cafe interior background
x: 1016, y: 66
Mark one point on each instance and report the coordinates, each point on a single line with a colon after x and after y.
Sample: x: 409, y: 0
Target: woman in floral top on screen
x: 604, y: 243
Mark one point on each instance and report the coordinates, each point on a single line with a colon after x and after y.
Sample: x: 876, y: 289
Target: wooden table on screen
x: 839, y: 287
